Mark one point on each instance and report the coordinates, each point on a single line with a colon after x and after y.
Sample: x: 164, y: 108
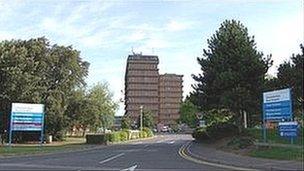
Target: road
x: 160, y: 153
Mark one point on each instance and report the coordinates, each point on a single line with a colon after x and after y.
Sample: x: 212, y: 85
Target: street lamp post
x: 141, y: 117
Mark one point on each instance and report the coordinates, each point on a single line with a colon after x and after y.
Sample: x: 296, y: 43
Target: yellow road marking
x: 183, y: 154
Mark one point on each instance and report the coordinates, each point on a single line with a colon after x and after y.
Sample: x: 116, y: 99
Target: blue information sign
x: 26, y: 117
x: 288, y: 129
x: 277, y: 105
x: 27, y: 121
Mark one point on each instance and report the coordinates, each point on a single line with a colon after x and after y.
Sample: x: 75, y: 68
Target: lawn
x: 19, y: 150
x: 274, y: 137
x: 279, y: 153
x: 22, y: 149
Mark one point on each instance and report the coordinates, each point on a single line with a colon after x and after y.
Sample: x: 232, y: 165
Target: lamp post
x: 141, y: 117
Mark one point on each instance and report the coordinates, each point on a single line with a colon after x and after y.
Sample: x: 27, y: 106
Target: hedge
x: 215, y: 131
x: 117, y: 136
x: 148, y: 131
x: 97, y: 138
x: 143, y: 134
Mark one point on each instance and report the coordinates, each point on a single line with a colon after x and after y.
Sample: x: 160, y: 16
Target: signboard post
x: 27, y: 117
x: 276, y: 107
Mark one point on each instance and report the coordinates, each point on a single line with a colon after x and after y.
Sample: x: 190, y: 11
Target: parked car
x: 165, y: 129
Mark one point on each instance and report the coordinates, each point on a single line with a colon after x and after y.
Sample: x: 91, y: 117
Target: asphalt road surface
x: 160, y: 153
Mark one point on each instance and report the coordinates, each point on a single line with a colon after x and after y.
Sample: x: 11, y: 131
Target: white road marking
x: 171, y: 142
x: 146, y: 145
x: 111, y: 158
x: 159, y: 141
x: 132, y: 168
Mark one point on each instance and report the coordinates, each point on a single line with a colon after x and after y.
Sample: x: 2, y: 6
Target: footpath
x: 212, y: 155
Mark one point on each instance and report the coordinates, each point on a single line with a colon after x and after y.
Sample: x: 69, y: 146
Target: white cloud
x: 4, y: 35
x: 281, y: 38
x: 137, y: 36
x: 177, y: 26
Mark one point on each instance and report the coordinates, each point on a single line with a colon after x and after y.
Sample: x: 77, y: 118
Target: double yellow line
x: 184, y: 153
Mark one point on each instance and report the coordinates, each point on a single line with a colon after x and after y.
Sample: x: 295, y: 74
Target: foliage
x: 97, y: 138
x: 221, y: 130
x: 148, y: 131
x: 123, y: 135
x: 117, y: 136
x: 126, y: 122
x: 148, y: 120
x: 233, y: 72
x: 34, y: 71
x: 134, y: 135
x: 290, y: 74
x: 215, y: 131
x: 114, y: 137
x: 200, y: 134
x: 216, y: 116
x: 188, y: 114
x: 92, y: 109
x: 241, y: 142
x: 103, y: 106
x: 143, y: 134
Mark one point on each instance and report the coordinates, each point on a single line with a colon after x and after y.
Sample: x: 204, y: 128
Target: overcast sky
x: 177, y: 31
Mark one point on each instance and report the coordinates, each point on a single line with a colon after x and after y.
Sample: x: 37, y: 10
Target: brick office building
x: 161, y: 94
x: 141, y: 85
x: 170, y: 97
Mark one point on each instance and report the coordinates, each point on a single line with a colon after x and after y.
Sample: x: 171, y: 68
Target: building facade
x: 160, y: 94
x: 141, y: 85
x: 170, y: 98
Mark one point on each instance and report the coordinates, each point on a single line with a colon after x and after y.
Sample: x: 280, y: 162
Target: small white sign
x: 276, y: 96
x: 288, y: 123
x: 27, y: 108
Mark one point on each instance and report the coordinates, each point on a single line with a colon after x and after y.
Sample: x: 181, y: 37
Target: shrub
x: 241, y: 142
x: 200, y: 134
x: 97, y: 138
x: 114, y: 137
x: 148, y: 131
x: 143, y: 134
x: 134, y: 135
x: 222, y: 130
x: 215, y: 131
x: 128, y: 132
x: 123, y: 135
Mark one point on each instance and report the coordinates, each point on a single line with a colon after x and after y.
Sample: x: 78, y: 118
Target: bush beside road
x: 118, y: 136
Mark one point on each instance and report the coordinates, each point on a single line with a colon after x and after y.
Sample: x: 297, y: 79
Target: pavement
x: 199, y: 151
x: 164, y: 152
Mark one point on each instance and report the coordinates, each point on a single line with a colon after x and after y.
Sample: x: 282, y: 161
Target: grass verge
x: 58, y: 146
x: 279, y: 153
x: 26, y: 150
x: 274, y: 137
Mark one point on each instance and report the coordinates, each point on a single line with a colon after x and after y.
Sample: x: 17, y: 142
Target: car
x: 165, y: 129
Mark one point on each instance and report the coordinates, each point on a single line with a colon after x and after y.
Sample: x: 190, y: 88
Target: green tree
x: 92, y: 109
x: 290, y: 75
x: 233, y: 72
x: 148, y: 120
x: 103, y: 106
x: 126, y: 122
x: 33, y: 71
x: 188, y: 113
